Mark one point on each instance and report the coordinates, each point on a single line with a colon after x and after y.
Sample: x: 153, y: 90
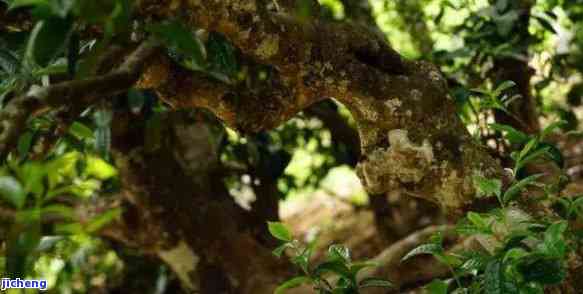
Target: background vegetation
x: 127, y: 167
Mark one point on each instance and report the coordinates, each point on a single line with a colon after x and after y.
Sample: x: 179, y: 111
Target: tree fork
x: 410, y: 135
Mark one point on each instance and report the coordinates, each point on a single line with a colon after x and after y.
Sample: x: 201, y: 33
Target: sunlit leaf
x: 339, y: 252
x: 487, y: 187
x: 516, y: 188
x: 12, y: 191
x: 554, y: 240
x: 292, y: 283
x: 503, y: 87
x: 437, y: 287
x: 279, y: 231
x: 80, y: 131
x: 103, y: 219
x: 24, y: 144
x: 336, y: 266
x: 375, y: 282
x: 432, y: 249
x: 513, y: 135
x: 280, y: 249
x: 99, y: 168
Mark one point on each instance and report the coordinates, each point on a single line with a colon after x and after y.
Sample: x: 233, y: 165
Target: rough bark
x: 411, y: 138
x: 177, y: 208
x: 403, y: 111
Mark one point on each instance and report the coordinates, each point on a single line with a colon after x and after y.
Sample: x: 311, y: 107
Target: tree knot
x: 403, y: 162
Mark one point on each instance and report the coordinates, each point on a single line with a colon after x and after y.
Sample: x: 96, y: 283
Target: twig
x: 14, y: 115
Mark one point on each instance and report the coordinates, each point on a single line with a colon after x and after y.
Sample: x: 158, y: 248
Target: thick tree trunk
x: 179, y: 210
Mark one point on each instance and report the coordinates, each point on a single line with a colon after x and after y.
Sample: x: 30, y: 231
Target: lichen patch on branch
x: 183, y: 262
x: 402, y: 163
x: 268, y: 47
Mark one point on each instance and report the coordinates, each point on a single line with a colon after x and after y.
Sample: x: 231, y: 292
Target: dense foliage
x: 514, y: 69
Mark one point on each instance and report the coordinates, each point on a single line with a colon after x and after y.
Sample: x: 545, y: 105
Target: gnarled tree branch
x: 14, y: 115
x: 410, y: 135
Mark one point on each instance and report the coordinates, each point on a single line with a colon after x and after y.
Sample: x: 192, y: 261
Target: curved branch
x: 14, y: 115
x: 410, y: 135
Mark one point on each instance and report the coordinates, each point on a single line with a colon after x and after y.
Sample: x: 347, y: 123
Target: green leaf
x: 12, y: 191
x: 515, y: 254
x: 503, y: 87
x: 48, y: 242
x: 178, y: 37
x: 302, y: 260
x: 99, y: 168
x: 70, y: 228
x: 292, y: 283
x: 64, y: 212
x: 221, y: 55
x: 32, y: 175
x: 112, y: 15
x: 501, y: 5
x: 437, y: 287
x: 517, y: 187
x: 45, y: 8
x: 432, y: 249
x: 536, y: 154
x: 545, y: 24
x: 484, y: 92
x: 339, y: 252
x: 494, y: 278
x: 554, y: 240
x: 513, y: 135
x: 528, y: 148
x: 478, y: 221
x: 24, y: 3
x: 375, y: 282
x: 336, y: 266
x: 541, y: 269
x: 487, y: 187
x: 279, y: 231
x: 24, y: 144
x: 473, y: 264
x: 47, y: 40
x: 61, y: 168
x: 280, y: 249
x: 103, y: 219
x: 8, y: 62
x: 80, y: 131
x: 554, y: 154
x: 550, y: 128
x: 505, y: 23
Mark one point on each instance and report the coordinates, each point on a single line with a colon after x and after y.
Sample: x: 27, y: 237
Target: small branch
x: 390, y: 265
x: 7, y: 213
x: 14, y: 115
